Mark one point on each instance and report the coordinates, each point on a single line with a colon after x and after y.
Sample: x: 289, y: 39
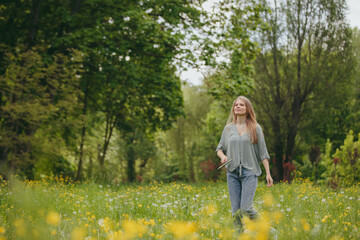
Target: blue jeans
x: 242, y: 191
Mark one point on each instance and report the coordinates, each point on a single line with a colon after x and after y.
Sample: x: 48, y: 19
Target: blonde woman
x: 242, y: 143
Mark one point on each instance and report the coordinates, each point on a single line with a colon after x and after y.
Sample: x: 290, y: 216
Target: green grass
x: 59, y: 209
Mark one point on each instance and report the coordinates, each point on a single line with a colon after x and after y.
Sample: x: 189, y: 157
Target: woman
x: 242, y: 143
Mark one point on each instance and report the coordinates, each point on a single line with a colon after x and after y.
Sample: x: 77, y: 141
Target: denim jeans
x: 242, y: 191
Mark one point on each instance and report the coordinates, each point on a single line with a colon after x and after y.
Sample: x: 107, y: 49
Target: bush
x: 343, y: 167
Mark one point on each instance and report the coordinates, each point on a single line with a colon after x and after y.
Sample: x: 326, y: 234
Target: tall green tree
x: 36, y: 95
x: 186, y: 142
x: 236, y: 50
x: 305, y: 57
x: 128, y: 53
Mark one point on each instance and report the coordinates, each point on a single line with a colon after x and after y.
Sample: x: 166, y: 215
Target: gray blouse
x: 240, y: 149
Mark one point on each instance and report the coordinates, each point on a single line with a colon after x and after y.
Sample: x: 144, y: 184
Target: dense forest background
x: 90, y: 89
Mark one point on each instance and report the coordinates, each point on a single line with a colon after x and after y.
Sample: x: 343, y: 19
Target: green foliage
x: 53, y: 165
x: 170, y: 172
x: 342, y: 167
x: 95, y: 83
x: 36, y: 93
x: 127, y: 70
x: 331, y: 175
x: 353, y: 115
x: 315, y: 174
x: 349, y: 156
x: 187, y: 144
x: 302, y: 76
x: 232, y: 77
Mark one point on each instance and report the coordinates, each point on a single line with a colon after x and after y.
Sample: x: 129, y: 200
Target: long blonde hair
x: 250, y: 117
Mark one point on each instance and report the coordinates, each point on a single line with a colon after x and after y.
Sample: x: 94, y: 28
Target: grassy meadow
x: 61, y: 209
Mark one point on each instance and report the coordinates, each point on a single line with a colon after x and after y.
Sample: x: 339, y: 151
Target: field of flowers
x: 60, y: 209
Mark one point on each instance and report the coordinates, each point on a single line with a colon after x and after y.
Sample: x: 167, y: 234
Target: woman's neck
x: 240, y: 120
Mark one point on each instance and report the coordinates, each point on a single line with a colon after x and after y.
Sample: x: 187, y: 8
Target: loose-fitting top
x: 240, y: 149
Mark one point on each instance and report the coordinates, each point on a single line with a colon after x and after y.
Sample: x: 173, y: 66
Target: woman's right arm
x: 221, y: 148
x: 222, y: 156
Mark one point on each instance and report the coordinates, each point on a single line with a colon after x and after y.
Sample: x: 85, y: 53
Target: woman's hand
x: 223, y: 159
x: 269, y: 180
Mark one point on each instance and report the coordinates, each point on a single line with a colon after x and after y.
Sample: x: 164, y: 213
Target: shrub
x: 343, y: 167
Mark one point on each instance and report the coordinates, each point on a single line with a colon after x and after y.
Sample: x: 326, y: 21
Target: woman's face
x: 240, y: 107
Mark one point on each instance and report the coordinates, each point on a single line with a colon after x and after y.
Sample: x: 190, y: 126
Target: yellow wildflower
x: 152, y: 222
x: 335, y: 238
x: 78, y: 234
x: 262, y: 235
x: 305, y: 225
x: 53, y: 218
x: 268, y: 200
x: 132, y: 229
x: 210, y: 209
x: 20, y: 227
x: 226, y: 234
x: 245, y: 236
x: 182, y: 229
x: 277, y: 216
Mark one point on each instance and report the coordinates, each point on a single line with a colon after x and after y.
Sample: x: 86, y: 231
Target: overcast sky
x: 195, y: 77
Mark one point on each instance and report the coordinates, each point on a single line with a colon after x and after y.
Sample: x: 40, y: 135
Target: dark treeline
x: 91, y: 89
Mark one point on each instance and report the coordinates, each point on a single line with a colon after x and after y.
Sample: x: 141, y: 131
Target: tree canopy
x: 91, y: 88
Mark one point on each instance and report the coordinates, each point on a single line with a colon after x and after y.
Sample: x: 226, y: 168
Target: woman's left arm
x: 269, y: 179
x: 263, y: 154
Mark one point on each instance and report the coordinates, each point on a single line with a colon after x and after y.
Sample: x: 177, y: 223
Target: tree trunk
x: 75, y: 7
x: 3, y: 155
x: 130, y: 157
x: 34, y: 22
x: 278, y: 102
x: 181, y: 149
x: 292, y: 129
x: 90, y: 169
x: 191, y: 173
x: 83, y: 133
x: 108, y: 133
x: 290, y: 140
x: 279, y: 150
x: 142, y: 166
x: 3, y: 164
x: 78, y: 173
x: 315, y: 172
